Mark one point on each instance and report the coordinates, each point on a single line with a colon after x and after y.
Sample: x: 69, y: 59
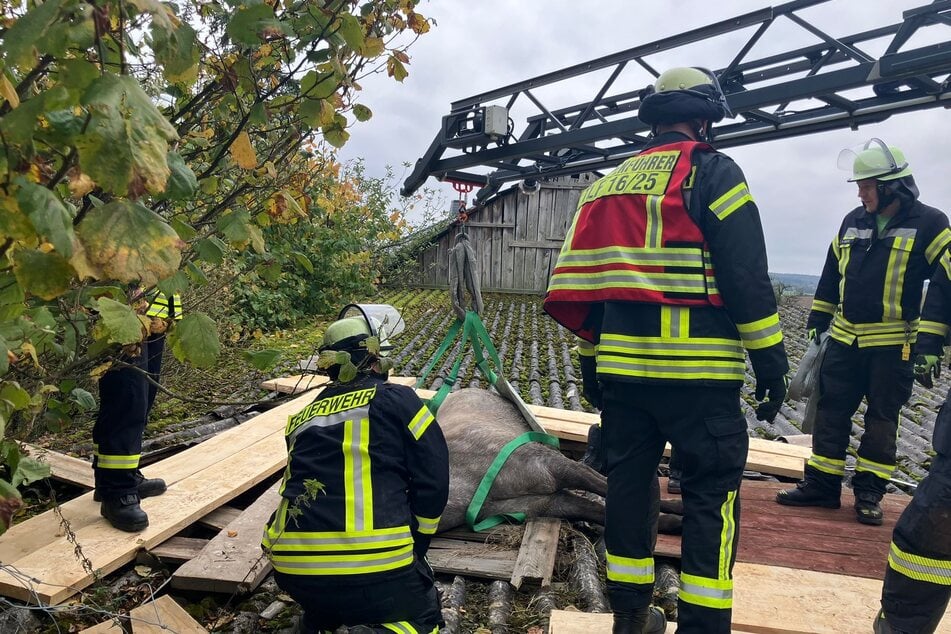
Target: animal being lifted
x: 537, y: 479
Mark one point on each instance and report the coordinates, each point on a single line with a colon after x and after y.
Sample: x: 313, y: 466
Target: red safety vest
x: 632, y: 240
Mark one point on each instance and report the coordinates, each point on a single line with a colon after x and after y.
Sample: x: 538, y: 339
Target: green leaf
x: 120, y: 321
x: 258, y: 114
x: 335, y: 135
x: 13, y: 222
x: 49, y: 215
x: 195, y: 339
x: 182, y: 183
x: 211, y: 250
x: 348, y: 372
x: 46, y: 275
x: 125, y: 146
x: 196, y: 274
x: 351, y: 31
x: 362, y: 113
x: 250, y: 22
x: 10, y: 503
x: 316, y: 85
x: 185, y: 231
x: 76, y: 74
x: 263, y: 359
x: 175, y: 284
x: 130, y: 242
x: 20, y: 39
x: 237, y: 228
x: 30, y: 470
x: 304, y: 261
x: 4, y: 360
x: 395, y: 68
x: 177, y: 51
x: 83, y: 399
x: 15, y: 395
x: 317, y: 112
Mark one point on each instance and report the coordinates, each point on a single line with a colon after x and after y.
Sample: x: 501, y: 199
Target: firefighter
x: 869, y: 298
x: 366, y: 482
x: 126, y: 394
x: 918, y: 578
x: 664, y: 271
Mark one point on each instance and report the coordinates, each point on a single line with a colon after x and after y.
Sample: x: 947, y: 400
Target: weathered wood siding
x: 516, y: 238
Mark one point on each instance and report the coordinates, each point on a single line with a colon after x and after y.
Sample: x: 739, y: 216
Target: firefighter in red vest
x: 664, y: 270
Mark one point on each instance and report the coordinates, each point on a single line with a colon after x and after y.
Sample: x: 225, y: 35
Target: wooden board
x: 163, y: 616
x: 63, y: 467
x: 536, y: 556
x: 233, y: 560
x: 822, y: 540
x: 220, y: 517
x: 177, y: 549
x: 471, y: 559
x: 299, y: 383
x: 772, y: 600
x: 201, y: 479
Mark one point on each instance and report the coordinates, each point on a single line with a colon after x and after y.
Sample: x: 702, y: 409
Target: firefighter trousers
x: 918, y: 578
x: 705, y: 426
x: 125, y: 398
x: 849, y: 373
x: 399, y: 601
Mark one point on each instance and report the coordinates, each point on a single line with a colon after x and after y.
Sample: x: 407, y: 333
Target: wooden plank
x: 106, y: 627
x: 574, y: 622
x: 508, y: 235
x: 220, y: 517
x: 62, y: 467
x: 472, y: 559
x: 232, y: 561
x: 201, y: 478
x: 492, y: 225
x: 161, y: 616
x: 177, y: 549
x: 495, y: 242
x: 537, y: 244
x: 536, y: 555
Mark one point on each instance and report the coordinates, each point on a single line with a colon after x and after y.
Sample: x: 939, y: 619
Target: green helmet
x: 879, y: 161
x: 682, y: 94
x: 345, y: 334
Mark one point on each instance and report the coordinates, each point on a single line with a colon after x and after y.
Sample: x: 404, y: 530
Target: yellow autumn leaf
x: 243, y: 152
x: 8, y: 92
x: 99, y: 370
x: 79, y: 183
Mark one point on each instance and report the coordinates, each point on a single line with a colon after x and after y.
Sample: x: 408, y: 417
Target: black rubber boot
x: 147, y: 487
x: 881, y: 625
x: 867, y: 508
x: 649, y: 620
x: 808, y: 493
x: 124, y: 513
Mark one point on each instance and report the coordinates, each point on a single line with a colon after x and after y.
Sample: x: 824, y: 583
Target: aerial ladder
x: 830, y: 84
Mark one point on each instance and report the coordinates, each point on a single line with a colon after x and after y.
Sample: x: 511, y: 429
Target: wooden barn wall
x: 516, y: 238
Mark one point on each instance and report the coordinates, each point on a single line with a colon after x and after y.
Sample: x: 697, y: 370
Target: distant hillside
x: 805, y: 284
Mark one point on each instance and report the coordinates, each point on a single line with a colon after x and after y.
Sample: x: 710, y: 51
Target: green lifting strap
x: 482, y: 492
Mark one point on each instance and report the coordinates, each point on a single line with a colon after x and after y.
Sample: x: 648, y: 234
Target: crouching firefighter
x: 869, y: 299
x: 366, y: 482
x: 918, y: 578
x: 664, y: 270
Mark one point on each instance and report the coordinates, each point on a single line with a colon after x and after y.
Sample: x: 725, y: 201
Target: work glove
x: 814, y: 335
x: 926, y: 367
x: 774, y: 391
x: 590, y: 387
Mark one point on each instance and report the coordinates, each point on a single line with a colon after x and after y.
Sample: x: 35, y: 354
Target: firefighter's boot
x: 649, y: 620
x: 808, y: 493
x: 124, y: 512
x: 867, y: 508
x: 147, y: 487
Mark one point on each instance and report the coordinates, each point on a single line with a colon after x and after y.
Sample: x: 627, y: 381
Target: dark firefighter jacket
x: 663, y: 340
x: 367, y: 479
x: 870, y: 289
x: 936, y: 315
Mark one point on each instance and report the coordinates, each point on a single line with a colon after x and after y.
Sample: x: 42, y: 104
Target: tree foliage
x: 143, y: 143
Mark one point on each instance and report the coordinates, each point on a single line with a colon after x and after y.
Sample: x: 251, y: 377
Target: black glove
x: 926, y: 366
x: 590, y: 387
x: 774, y: 391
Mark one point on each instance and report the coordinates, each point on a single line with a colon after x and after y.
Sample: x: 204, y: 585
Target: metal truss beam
x: 831, y: 84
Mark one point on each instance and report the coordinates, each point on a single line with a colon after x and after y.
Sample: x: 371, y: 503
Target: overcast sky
x: 479, y: 46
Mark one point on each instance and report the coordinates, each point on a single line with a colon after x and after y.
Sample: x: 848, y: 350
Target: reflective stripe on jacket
x: 367, y: 472
x: 163, y: 307
x: 871, y: 284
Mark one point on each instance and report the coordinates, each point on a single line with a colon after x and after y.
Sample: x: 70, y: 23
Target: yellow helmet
x: 879, y: 161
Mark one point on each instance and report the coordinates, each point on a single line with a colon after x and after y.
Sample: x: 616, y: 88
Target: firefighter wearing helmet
x: 664, y: 278
x: 353, y: 552
x: 869, y: 300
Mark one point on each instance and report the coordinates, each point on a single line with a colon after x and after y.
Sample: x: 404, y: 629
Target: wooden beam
x: 536, y: 555
x: 233, y: 560
x: 537, y: 244
x: 471, y: 559
x: 62, y: 467
x: 177, y: 550
x: 161, y: 616
x: 220, y: 517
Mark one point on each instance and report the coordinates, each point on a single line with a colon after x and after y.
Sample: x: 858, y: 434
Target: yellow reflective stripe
x: 937, y: 571
x: 727, y: 534
x: 663, y: 256
x: 159, y: 306
x: 938, y: 245
x: 823, y: 307
x: 761, y: 333
x: 427, y: 525
x: 356, y: 469
x: 342, y: 564
x: 884, y: 471
x: 670, y: 346
x: 587, y: 349
x: 106, y: 461
x: 630, y: 570
x: 706, y: 592
x: 654, y: 230
x: 827, y: 465
x: 626, y: 278
x: 336, y: 541
x: 421, y: 422
x: 933, y: 328
x: 672, y: 368
x: 729, y: 202
x: 403, y: 627
x: 874, y: 328
x: 895, y: 277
